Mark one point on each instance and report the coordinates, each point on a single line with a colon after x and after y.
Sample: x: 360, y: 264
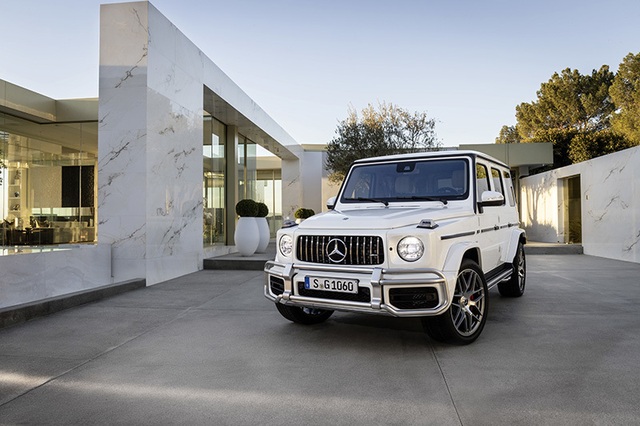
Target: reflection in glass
x: 47, y: 182
x: 213, y: 157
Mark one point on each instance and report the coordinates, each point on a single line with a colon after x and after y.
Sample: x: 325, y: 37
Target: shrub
x: 263, y: 210
x: 247, y: 208
x: 303, y: 213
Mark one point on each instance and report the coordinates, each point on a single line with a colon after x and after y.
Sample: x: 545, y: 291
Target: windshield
x: 417, y: 180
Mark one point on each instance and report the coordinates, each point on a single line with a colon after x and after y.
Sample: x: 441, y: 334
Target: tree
x: 568, y: 100
x: 570, y: 108
x: 386, y: 130
x: 585, y: 146
x: 625, y: 92
x: 508, y: 134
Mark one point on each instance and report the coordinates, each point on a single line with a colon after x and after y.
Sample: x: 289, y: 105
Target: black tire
x: 463, y: 322
x: 514, y: 286
x: 305, y: 316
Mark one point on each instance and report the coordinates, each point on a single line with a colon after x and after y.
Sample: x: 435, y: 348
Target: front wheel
x: 305, y: 316
x: 463, y: 322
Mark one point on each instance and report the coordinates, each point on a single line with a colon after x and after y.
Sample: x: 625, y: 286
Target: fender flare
x: 516, y: 236
x: 456, y: 253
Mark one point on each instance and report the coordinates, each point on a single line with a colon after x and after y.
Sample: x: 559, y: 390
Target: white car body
x: 358, y: 242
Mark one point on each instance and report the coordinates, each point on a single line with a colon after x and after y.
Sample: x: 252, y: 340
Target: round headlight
x: 410, y: 249
x: 286, y: 245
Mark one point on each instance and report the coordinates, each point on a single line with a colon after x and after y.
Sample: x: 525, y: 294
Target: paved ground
x: 209, y: 349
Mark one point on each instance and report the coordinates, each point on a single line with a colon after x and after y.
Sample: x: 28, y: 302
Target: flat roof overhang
x: 517, y: 154
x: 223, y: 111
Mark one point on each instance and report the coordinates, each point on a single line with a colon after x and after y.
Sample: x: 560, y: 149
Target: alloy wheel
x: 468, y: 306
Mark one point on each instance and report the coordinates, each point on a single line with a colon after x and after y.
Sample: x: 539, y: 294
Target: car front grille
x: 340, y: 250
x: 363, y: 295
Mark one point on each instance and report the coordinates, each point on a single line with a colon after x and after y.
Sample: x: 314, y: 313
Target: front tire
x: 306, y: 316
x: 463, y: 322
x: 514, y: 286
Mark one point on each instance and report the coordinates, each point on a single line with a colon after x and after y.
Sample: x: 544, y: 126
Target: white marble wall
x: 150, y: 145
x: 43, y: 273
x: 610, y: 196
x: 152, y: 81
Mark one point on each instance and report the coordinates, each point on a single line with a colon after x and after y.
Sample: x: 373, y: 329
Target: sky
x: 467, y: 64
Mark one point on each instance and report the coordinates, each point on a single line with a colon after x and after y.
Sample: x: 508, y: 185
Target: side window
x: 511, y: 196
x: 497, y: 181
x: 482, y: 179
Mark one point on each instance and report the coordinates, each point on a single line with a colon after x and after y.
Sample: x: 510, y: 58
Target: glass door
x: 213, y: 155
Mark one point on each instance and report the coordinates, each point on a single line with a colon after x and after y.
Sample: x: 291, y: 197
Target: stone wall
x: 610, y: 205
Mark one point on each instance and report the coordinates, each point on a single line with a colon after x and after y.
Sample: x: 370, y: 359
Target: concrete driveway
x: 209, y: 349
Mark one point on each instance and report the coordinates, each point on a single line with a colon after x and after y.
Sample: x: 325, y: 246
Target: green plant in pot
x: 247, y: 208
x: 263, y: 227
x: 302, y: 214
x: 246, y: 236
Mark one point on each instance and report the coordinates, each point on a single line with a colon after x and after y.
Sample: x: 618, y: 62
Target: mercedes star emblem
x: 336, y: 250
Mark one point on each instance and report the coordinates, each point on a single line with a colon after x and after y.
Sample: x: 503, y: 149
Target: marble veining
x: 150, y: 163
x: 631, y: 247
x: 122, y: 147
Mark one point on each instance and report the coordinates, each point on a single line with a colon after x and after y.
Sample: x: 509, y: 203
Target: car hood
x: 380, y: 217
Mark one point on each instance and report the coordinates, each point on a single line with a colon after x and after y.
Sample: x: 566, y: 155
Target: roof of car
x: 431, y: 154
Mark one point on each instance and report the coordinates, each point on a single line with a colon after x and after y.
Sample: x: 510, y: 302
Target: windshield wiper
x: 373, y: 200
x: 442, y: 200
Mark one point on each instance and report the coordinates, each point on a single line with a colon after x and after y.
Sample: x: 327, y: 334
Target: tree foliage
x: 625, y: 92
x: 508, y: 134
x: 585, y: 146
x: 568, y: 100
x: 584, y: 116
x: 386, y: 130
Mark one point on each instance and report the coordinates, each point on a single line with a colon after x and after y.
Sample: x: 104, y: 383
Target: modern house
x: 141, y: 183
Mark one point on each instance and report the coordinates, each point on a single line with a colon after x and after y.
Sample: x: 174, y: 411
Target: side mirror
x: 331, y: 203
x: 491, y: 199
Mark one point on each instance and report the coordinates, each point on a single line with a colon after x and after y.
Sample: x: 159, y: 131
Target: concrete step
x: 552, y: 248
x: 236, y: 262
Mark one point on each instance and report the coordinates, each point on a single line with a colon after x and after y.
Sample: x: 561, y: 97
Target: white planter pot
x: 265, y: 234
x: 246, y: 236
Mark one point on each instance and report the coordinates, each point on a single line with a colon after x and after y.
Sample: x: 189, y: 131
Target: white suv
x: 416, y: 235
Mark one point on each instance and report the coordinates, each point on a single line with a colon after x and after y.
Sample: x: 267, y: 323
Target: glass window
x: 420, y: 180
x: 247, y: 168
x: 214, y: 163
x: 497, y: 181
x: 510, y: 192
x: 269, y: 191
x: 482, y: 179
x: 48, y: 187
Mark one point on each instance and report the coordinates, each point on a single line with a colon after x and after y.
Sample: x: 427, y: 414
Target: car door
x: 488, y: 221
x: 505, y: 213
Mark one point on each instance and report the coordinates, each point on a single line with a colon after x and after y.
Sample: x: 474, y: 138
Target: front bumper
x: 283, y: 280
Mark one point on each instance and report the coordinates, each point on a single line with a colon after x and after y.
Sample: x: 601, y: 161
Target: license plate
x: 337, y: 285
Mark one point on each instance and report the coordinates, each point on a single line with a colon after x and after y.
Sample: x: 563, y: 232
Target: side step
x: 498, y: 275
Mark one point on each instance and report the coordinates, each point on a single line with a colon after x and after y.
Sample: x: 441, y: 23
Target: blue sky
x: 466, y: 63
